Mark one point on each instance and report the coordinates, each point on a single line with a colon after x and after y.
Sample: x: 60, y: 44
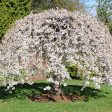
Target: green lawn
x: 97, y: 101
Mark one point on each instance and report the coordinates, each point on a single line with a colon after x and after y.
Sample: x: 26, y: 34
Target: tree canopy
x: 104, y: 12
x: 55, y: 38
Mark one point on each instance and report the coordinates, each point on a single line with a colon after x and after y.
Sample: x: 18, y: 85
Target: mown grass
x: 96, y: 101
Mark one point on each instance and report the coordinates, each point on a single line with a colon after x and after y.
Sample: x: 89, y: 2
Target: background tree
x: 104, y: 12
x: 71, y: 5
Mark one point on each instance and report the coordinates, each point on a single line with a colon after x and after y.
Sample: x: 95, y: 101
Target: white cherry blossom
x: 56, y: 37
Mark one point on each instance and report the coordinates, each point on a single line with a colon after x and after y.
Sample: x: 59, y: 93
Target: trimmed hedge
x: 10, y: 11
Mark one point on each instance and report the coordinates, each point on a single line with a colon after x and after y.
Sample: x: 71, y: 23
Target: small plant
x: 74, y: 71
x: 92, y: 74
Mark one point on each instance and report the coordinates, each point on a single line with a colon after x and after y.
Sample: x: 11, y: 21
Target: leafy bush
x: 22, y: 91
x: 92, y: 74
x: 74, y: 71
x: 10, y: 11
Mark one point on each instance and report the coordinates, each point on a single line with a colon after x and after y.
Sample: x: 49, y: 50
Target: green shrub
x: 74, y: 71
x: 10, y: 11
x: 93, y: 74
x: 77, y: 73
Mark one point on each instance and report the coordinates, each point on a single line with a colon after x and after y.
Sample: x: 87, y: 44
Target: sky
x: 91, y: 6
x: 89, y: 2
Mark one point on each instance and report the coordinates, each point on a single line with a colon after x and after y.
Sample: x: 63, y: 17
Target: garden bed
x: 55, y: 98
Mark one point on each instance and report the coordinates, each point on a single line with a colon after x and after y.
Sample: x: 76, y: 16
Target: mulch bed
x: 55, y: 98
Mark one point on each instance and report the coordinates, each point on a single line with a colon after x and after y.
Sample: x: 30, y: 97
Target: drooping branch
x: 57, y: 36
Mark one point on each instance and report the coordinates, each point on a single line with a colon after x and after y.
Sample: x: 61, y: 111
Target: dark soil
x: 55, y: 98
